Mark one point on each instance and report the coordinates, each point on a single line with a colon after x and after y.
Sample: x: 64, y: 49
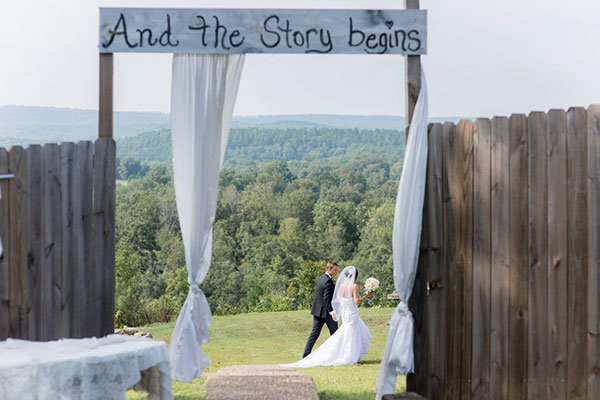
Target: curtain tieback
x: 200, y: 310
x: 402, y: 309
x: 402, y: 340
x: 194, y: 289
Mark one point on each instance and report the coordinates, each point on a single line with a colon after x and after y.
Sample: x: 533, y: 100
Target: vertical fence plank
x: 593, y: 290
x: 81, y: 227
x: 86, y: 176
x: 103, y: 285
x: 480, y: 374
x: 68, y: 260
x: 77, y: 244
x: 577, y: 251
x: 464, y: 247
x: 500, y: 261
x: 436, y: 318
x: 4, y: 257
x: 34, y: 240
x: 17, y: 161
x: 557, y: 253
x: 537, y: 336
x: 417, y: 381
x: 449, y: 279
x: 517, y: 236
x: 51, y: 320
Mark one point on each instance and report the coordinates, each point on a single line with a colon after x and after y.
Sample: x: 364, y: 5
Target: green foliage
x: 146, y: 147
x: 129, y: 168
x: 301, y: 288
x: 276, y: 225
x: 251, y: 147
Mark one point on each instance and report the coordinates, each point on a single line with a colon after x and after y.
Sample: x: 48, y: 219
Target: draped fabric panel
x: 204, y: 88
x: 398, y: 357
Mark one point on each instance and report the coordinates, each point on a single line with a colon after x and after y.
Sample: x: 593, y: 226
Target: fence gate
x: 57, y: 226
x: 510, y: 254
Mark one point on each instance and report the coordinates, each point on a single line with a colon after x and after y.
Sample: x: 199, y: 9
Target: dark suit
x: 321, y: 307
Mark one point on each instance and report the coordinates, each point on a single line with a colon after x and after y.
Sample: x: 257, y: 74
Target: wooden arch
x: 226, y: 31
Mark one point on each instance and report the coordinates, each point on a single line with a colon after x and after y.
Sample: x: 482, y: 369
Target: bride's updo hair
x: 349, y: 273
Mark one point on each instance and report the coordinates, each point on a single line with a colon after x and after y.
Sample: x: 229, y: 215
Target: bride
x: 351, y: 341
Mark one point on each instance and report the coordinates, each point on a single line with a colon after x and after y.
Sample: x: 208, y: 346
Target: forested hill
x: 253, y: 146
x: 22, y: 125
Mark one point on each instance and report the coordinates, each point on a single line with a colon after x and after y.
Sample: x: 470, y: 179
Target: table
x: 89, y: 368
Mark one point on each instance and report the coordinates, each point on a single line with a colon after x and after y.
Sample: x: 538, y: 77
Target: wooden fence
x: 510, y: 251
x: 57, y: 228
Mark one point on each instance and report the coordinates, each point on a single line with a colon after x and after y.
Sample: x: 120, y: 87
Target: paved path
x: 259, y: 382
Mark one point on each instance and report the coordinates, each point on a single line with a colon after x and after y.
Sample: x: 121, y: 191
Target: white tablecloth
x: 87, y: 368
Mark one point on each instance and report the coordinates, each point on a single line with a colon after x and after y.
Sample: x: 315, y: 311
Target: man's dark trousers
x: 321, y: 309
x: 318, y: 323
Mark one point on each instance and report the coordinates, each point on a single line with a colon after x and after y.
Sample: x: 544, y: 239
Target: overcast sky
x: 484, y: 58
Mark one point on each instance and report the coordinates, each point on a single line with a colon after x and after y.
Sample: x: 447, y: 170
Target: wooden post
x: 413, y: 76
x: 105, y: 106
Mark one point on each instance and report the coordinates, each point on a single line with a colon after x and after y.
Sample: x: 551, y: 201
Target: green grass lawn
x: 279, y: 337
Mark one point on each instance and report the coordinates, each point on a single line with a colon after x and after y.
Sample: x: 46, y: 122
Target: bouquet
x: 371, y: 284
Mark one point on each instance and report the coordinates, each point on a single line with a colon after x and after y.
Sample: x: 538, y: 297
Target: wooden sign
x: 226, y: 31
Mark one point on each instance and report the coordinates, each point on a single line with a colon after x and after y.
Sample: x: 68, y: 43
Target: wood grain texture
x: 417, y: 381
x: 464, y: 246
x: 500, y: 279
x: 68, y: 255
x: 413, y: 75
x: 85, y: 161
x: 102, y: 288
x: 259, y: 31
x: 51, y: 320
x: 449, y: 272
x: 557, y: 253
x: 4, y: 257
x: 105, y: 108
x: 517, y: 236
x: 480, y: 372
x: 18, y: 318
x: 34, y: 241
x: 436, y: 318
x: 82, y: 236
x: 593, y: 290
x: 537, y: 336
x: 577, y: 252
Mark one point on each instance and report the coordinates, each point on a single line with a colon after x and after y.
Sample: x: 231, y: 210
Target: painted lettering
x: 355, y: 32
x: 120, y: 30
x: 276, y: 30
x: 235, y: 34
x: 413, y: 36
x: 396, y: 32
x: 203, y: 26
x: 149, y: 32
x: 276, y: 39
x: 165, y: 37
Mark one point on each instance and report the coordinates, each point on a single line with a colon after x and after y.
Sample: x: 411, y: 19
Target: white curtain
x: 204, y: 88
x: 398, y: 355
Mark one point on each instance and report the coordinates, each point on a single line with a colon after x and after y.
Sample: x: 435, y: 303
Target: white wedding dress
x: 346, y: 346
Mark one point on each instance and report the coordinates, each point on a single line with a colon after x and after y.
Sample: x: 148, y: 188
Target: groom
x: 322, y: 310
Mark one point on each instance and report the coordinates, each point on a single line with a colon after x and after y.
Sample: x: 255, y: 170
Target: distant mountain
x: 48, y: 124
x: 320, y: 120
x: 328, y: 121
x: 24, y: 125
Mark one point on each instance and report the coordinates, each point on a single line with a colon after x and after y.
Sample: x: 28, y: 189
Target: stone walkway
x: 259, y: 382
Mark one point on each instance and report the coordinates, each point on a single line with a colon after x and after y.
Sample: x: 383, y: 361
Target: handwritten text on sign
x: 154, y: 30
